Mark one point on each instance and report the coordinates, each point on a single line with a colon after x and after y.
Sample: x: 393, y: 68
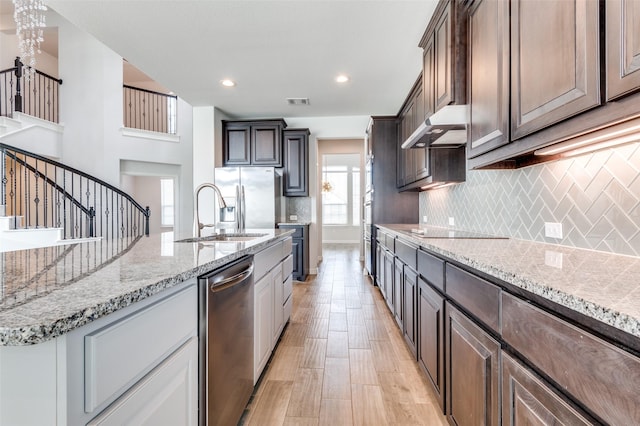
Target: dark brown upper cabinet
x: 296, y: 162
x: 253, y: 143
x: 488, y: 78
x: 444, y: 58
x: 623, y: 47
x: 555, y: 62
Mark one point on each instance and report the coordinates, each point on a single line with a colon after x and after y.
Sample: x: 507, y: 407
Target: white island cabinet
x: 138, y: 365
x: 272, y: 300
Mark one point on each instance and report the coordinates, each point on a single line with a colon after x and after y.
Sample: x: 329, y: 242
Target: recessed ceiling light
x: 342, y: 78
x: 228, y: 83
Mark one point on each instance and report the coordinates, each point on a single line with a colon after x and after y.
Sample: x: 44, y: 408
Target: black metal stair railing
x: 41, y: 193
x: 38, y: 96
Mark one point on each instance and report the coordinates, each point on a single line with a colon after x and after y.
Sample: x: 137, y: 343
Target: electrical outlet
x: 424, y: 219
x: 553, y: 230
x: 452, y: 222
x: 293, y: 217
x: 553, y: 259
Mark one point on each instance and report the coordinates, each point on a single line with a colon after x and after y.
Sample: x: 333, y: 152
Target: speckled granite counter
x: 599, y: 285
x: 50, y: 291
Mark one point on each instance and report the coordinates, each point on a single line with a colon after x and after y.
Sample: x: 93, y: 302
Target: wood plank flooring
x: 342, y: 359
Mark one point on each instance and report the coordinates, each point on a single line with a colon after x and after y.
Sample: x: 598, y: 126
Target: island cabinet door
x: 623, y: 47
x: 555, y: 66
x: 528, y: 400
x: 168, y: 395
x: 472, y: 370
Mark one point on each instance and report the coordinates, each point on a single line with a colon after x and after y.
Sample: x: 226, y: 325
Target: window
x: 166, y: 202
x: 341, y: 189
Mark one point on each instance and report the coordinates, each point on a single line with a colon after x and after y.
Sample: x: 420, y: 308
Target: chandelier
x: 30, y: 19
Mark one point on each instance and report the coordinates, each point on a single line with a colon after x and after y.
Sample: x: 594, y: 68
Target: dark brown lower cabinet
x: 529, y: 400
x: 431, y: 337
x: 397, y: 292
x: 388, y: 278
x: 473, y: 372
x: 409, y: 290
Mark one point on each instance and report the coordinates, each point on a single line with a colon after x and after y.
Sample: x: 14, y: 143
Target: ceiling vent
x: 298, y: 101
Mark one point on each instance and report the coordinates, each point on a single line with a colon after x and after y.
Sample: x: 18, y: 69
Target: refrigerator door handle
x: 242, y: 212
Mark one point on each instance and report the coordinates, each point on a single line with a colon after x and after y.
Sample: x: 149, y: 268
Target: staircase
x: 45, y: 203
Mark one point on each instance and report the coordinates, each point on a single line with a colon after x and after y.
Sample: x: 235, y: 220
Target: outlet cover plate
x: 553, y: 230
x: 293, y: 217
x: 452, y: 221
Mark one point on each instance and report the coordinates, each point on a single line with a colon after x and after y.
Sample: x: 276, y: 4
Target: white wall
x: 91, y: 102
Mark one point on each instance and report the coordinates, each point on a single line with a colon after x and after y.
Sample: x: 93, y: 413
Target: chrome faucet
x: 199, y: 225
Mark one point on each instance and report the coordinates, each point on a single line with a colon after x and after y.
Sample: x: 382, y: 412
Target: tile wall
x: 300, y: 206
x: 596, y: 198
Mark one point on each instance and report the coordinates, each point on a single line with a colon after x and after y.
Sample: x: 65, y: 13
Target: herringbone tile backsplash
x: 596, y: 198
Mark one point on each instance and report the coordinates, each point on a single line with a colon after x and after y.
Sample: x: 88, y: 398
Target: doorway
x: 339, y: 204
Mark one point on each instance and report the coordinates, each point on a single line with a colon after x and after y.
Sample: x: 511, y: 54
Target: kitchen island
x: 510, y: 330
x: 76, y: 322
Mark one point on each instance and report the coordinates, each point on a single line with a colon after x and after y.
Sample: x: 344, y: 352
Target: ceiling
x: 273, y: 49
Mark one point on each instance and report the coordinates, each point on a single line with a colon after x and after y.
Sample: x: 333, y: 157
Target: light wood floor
x: 341, y: 360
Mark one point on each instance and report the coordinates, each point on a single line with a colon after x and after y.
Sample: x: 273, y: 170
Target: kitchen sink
x: 222, y: 237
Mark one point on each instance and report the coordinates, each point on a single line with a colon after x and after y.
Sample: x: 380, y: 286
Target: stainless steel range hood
x: 445, y: 128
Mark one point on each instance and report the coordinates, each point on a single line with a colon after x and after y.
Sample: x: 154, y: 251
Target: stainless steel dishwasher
x: 226, y: 342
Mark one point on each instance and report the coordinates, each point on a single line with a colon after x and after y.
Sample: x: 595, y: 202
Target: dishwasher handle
x: 232, y: 280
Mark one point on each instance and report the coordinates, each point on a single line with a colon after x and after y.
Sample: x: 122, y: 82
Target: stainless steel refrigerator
x: 261, y: 190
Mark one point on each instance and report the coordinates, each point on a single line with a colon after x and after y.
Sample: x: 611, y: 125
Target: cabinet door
x: 555, y: 68
x: 397, y: 291
x: 237, y: 145
x: 278, y: 307
x: 428, y: 79
x: 380, y: 267
x: 388, y: 278
x: 420, y: 155
x: 409, y: 292
x: 488, y: 75
x: 168, y: 395
x: 409, y: 154
x: 296, y: 164
x: 472, y: 371
x: 266, y: 145
x: 401, y: 154
x: 298, y: 257
x: 443, y: 90
x: 528, y: 400
x: 623, y: 47
x: 431, y: 336
x: 262, y: 324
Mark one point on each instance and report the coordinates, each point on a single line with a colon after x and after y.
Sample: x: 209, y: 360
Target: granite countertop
x: 47, y: 292
x: 602, y: 286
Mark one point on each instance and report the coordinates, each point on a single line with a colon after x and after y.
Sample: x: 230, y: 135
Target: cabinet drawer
x: 407, y: 253
x: 602, y: 377
x: 287, y: 266
x: 475, y: 295
x: 389, y: 242
x: 159, y: 398
x: 432, y: 269
x: 288, y: 288
x: 265, y: 260
x: 118, y: 355
x: 287, y: 244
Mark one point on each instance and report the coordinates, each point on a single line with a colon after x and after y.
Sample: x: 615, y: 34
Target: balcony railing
x: 149, y: 110
x: 37, y: 96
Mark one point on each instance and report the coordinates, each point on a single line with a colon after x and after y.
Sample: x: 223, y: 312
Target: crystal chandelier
x: 30, y: 19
